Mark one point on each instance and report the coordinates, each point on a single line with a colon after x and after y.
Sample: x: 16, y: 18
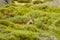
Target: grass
x: 46, y: 22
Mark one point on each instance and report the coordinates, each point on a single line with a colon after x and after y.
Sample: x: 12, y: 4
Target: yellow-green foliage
x: 24, y: 1
x: 46, y: 22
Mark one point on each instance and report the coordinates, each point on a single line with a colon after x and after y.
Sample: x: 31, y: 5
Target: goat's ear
x: 30, y: 21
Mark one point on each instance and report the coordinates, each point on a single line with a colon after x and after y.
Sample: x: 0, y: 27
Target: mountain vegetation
x: 15, y: 21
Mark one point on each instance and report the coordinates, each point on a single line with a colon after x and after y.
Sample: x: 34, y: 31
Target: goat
x: 30, y: 21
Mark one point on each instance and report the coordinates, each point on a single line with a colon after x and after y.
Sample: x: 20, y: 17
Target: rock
x: 4, y: 2
x: 48, y: 38
x: 52, y: 38
x: 53, y: 3
x: 50, y: 3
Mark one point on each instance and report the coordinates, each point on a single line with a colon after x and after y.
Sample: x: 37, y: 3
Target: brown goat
x: 30, y: 21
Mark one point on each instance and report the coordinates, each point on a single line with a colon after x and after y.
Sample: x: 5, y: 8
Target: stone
x: 48, y: 38
x: 53, y: 3
x: 4, y: 2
